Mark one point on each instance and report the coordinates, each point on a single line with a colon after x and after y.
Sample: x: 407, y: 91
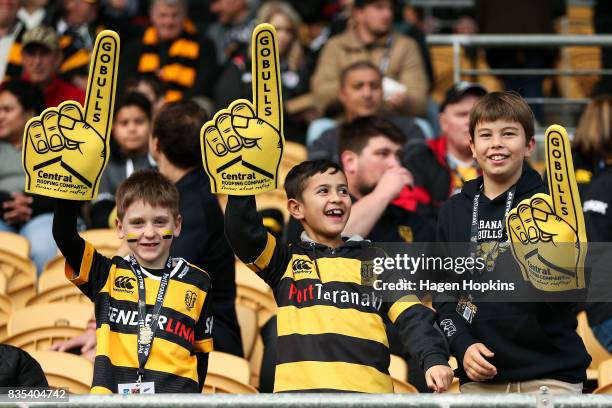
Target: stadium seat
x: 54, y: 287
x: 38, y: 327
x: 227, y: 374
x: 402, y: 387
x: 249, y: 329
x: 65, y: 370
x: 398, y: 368
x: 604, y: 373
x: 276, y: 199
x: 20, y: 274
x: 15, y: 244
x: 606, y: 389
x: 105, y: 240
x: 253, y: 292
x: 594, y: 348
x: 6, y: 307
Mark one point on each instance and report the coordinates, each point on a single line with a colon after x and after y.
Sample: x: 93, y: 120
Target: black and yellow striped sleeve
x: 252, y: 242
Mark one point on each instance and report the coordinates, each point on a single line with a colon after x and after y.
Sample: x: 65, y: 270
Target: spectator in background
x: 27, y: 215
x: 361, y: 95
x: 442, y: 166
x: 11, y: 31
x: 234, y: 27
x: 593, y: 134
x: 235, y: 81
x: 41, y: 57
x: 151, y: 87
x: 132, y: 123
x: 173, y: 49
x: 77, y: 28
x: 36, y: 12
x: 405, y: 82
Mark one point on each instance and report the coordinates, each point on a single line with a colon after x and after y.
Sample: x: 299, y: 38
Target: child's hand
x: 439, y: 378
x: 475, y: 364
x: 86, y: 340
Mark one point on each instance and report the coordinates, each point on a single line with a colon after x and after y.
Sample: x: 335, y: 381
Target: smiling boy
x: 331, y: 324
x: 160, y: 346
x: 505, y: 347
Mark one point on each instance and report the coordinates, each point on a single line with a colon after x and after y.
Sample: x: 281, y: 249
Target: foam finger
x: 516, y: 228
x: 100, y: 98
x: 526, y: 217
x: 215, y: 143
x: 267, y: 93
x: 72, y: 110
x: 50, y: 124
x: 226, y: 130
x: 561, y: 177
x: 37, y: 137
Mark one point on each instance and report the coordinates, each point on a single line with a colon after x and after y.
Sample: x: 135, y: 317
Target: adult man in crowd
x: 233, y: 29
x: 177, y: 52
x: 11, y: 31
x: 442, y: 166
x: 397, y: 56
x: 361, y: 95
x: 41, y: 57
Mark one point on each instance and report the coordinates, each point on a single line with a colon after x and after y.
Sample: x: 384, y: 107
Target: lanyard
x: 474, y: 228
x: 384, y: 63
x: 146, y: 333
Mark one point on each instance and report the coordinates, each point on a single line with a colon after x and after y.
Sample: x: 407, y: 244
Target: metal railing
x: 327, y: 401
x: 526, y: 40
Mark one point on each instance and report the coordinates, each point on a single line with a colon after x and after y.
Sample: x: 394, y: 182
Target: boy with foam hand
x: 153, y: 327
x: 331, y: 326
x: 512, y: 346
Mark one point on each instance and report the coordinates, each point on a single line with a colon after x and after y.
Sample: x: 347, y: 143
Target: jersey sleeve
x: 203, y: 341
x: 252, y: 242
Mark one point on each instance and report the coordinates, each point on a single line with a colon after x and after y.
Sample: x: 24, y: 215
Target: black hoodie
x: 529, y: 340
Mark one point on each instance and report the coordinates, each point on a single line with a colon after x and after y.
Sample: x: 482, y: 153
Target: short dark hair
x: 357, y: 66
x: 506, y: 105
x: 134, y: 99
x: 29, y: 96
x: 177, y: 128
x: 152, y: 80
x: 298, y: 175
x: 355, y: 135
x: 151, y: 187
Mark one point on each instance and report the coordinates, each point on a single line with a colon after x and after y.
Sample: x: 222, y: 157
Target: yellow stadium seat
x: 594, y: 348
x: 37, y: 327
x: 253, y: 292
x: 15, y: 244
x: 402, y: 387
x: 227, y: 374
x: 53, y: 286
x: 66, y: 370
x: 398, y: 368
x: 604, y: 373
x: 606, y: 389
x: 6, y: 307
x: 276, y: 199
x: 3, y: 284
x: 20, y: 274
x: 105, y: 240
x: 249, y: 329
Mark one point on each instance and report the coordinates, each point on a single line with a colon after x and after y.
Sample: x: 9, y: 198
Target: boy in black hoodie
x: 505, y: 347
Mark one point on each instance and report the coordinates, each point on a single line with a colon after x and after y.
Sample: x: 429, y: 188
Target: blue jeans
x: 39, y: 232
x: 603, y: 333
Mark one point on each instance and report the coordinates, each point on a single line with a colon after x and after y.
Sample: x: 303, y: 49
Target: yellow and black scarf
x: 75, y: 55
x: 178, y: 71
x: 13, y: 67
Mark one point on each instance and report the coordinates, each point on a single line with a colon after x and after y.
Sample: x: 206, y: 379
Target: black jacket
x: 598, y: 219
x: 203, y: 243
x: 19, y: 369
x: 530, y: 340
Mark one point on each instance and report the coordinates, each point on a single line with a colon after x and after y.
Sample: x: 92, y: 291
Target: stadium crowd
x: 359, y: 98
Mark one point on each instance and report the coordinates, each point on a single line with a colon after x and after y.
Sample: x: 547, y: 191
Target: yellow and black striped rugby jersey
x: 185, y: 323
x: 330, y: 321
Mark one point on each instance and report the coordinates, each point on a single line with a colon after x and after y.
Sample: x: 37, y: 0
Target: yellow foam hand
x: 65, y: 149
x: 243, y: 144
x: 547, y: 231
